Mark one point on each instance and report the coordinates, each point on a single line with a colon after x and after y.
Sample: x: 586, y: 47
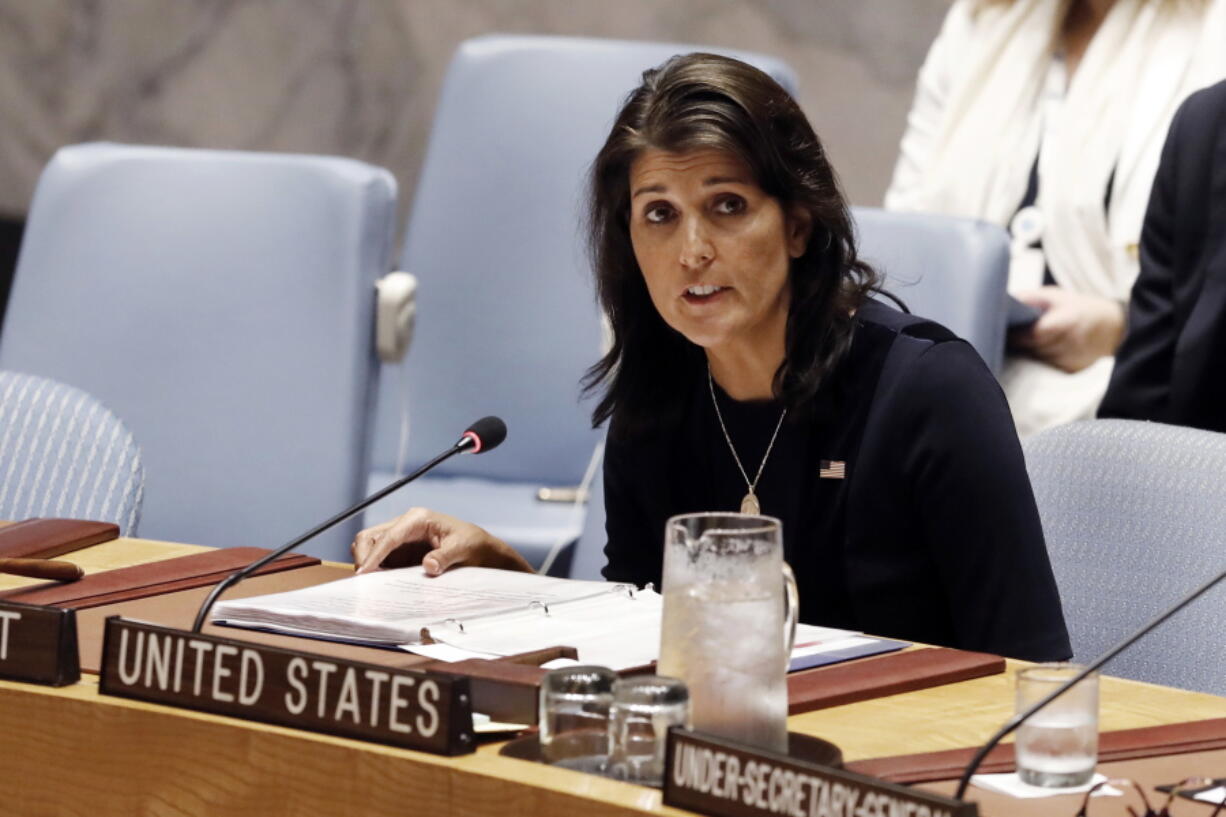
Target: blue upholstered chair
x: 506, y: 315
x: 951, y: 270
x: 221, y: 302
x: 1135, y: 518
x: 64, y: 454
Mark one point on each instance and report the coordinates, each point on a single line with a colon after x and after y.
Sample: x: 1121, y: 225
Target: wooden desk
x: 71, y: 751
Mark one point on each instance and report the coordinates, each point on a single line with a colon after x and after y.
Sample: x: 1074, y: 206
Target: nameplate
x: 726, y: 779
x: 38, y: 644
x: 399, y: 707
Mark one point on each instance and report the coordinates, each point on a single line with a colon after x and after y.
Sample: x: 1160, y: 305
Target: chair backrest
x: 222, y: 303
x: 588, y: 558
x: 506, y: 316
x: 951, y: 270
x: 64, y: 454
x: 1135, y: 518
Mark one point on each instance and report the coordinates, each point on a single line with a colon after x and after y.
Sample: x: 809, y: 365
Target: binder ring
x: 538, y: 603
x: 459, y: 624
x: 628, y: 589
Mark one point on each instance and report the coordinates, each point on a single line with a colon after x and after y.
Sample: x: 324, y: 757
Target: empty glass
x: 574, y: 717
x: 644, y: 707
x: 729, y: 622
x: 1058, y: 746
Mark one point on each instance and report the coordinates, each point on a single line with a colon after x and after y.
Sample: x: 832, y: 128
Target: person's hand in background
x: 1074, y: 330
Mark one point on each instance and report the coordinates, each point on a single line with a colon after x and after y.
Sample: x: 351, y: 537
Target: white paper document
x: 473, y: 612
x: 392, y: 606
x: 613, y: 629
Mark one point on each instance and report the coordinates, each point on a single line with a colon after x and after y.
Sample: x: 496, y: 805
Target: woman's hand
x: 436, y: 540
x: 1074, y: 330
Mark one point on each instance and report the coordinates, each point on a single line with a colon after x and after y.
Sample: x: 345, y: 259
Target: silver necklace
x: 750, y: 503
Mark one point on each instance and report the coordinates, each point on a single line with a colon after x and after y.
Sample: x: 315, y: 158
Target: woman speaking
x: 751, y: 370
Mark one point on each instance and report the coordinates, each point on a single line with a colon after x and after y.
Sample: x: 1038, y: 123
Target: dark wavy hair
x: 703, y: 101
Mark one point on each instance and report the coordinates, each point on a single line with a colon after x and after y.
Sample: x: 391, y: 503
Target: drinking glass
x: 644, y: 707
x: 574, y: 717
x: 729, y: 622
x: 1058, y: 746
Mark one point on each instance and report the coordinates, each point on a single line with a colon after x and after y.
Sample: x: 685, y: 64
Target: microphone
x: 1017, y: 720
x: 484, y: 435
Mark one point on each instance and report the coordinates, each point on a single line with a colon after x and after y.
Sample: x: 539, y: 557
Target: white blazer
x: 983, y: 105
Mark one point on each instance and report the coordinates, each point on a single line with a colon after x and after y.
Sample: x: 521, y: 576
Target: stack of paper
x: 473, y: 612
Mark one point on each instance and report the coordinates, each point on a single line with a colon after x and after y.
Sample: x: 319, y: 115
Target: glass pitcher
x: 730, y: 608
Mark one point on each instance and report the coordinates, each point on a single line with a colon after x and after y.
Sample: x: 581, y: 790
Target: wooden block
x: 877, y: 677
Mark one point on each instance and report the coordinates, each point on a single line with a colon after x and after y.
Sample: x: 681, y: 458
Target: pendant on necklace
x: 750, y: 504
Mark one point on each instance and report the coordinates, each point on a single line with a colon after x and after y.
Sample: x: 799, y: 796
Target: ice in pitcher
x: 739, y: 625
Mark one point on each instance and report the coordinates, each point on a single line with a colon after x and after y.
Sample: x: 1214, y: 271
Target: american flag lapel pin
x: 832, y: 469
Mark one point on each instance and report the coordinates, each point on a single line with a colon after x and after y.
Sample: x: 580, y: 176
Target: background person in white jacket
x: 1048, y: 117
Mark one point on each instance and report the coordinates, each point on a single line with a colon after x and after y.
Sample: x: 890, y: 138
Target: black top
x: 1170, y: 366
x: 932, y: 535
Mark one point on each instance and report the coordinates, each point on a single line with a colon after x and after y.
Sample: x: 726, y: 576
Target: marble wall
x: 361, y: 77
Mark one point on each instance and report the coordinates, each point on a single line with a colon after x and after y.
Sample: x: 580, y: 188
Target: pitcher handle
x: 793, y: 613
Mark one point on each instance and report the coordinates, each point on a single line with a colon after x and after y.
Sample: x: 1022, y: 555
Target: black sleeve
x: 1140, y: 387
x: 635, y: 548
x: 973, y: 500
